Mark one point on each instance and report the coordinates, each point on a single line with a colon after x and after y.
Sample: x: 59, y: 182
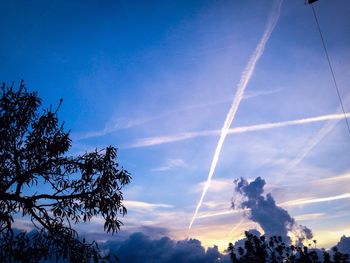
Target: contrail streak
x: 220, y: 213
x: 151, y: 141
x: 294, y: 202
x: 120, y: 124
x: 236, y: 226
x: 315, y: 200
x: 247, y: 74
x: 320, y: 135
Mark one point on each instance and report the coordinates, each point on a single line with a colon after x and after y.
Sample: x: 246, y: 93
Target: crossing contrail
x: 151, y: 141
x: 295, y: 202
x: 245, y: 77
x: 327, y: 128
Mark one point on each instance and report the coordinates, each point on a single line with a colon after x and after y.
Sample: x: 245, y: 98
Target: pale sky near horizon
x: 157, y: 78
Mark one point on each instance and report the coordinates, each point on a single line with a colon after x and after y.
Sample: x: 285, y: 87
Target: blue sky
x: 156, y: 79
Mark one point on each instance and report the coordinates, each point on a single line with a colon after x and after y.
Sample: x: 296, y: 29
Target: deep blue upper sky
x: 130, y: 70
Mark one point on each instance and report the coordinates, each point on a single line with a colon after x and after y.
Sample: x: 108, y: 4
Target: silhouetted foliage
x: 33, y: 145
x: 274, y: 250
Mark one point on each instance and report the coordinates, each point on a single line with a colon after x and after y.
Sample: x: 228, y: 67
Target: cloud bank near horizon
x: 163, y: 250
x: 167, y: 250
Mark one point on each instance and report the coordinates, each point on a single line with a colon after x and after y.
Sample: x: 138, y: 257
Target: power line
x: 330, y: 67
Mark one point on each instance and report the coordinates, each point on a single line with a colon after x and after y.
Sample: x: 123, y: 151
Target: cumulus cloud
x: 263, y: 210
x: 139, y: 247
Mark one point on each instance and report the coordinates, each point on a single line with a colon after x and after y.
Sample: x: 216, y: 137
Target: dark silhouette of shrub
x: 274, y: 250
x: 55, y: 191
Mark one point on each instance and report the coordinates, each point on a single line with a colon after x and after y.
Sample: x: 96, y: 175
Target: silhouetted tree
x: 274, y: 250
x: 38, y: 181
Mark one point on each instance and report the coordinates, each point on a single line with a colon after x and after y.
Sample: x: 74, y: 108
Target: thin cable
x: 331, y: 67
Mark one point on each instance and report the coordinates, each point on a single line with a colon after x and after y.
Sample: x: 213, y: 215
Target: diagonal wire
x: 330, y: 67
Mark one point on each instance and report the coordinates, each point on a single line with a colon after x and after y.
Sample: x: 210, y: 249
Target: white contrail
x: 122, y: 123
x: 236, y: 226
x: 220, y: 213
x: 295, y: 202
x: 327, y: 128
x: 320, y: 135
x: 315, y: 200
x: 247, y: 74
x: 266, y: 126
x: 151, y: 141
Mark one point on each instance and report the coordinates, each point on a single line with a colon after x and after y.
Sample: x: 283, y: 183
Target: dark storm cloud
x: 139, y: 248
x: 154, y: 232
x: 151, y: 231
x: 344, y: 245
x: 273, y: 219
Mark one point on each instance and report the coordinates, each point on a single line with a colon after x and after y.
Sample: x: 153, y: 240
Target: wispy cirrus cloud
x: 170, y: 164
x: 144, y: 206
x: 217, y: 185
x: 112, y: 126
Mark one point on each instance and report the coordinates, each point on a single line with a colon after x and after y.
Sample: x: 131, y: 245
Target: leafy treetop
x: 38, y: 181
